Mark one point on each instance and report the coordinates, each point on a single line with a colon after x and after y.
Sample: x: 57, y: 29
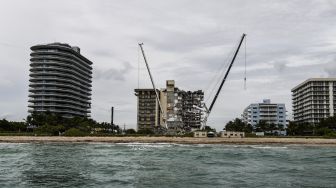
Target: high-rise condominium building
x: 265, y: 111
x: 60, y: 80
x: 192, y: 117
x: 314, y: 100
x: 148, y: 110
x: 177, y: 105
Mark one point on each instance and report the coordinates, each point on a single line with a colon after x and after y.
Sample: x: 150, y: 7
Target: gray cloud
x: 330, y: 68
x: 6, y: 115
x: 112, y: 73
x: 280, y: 66
x: 287, y: 42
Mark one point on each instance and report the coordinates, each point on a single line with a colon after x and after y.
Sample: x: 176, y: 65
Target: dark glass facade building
x: 60, y: 80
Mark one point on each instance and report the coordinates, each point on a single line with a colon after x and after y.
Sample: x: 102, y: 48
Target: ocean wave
x: 269, y: 147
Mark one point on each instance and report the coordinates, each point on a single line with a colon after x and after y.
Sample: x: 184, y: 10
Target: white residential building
x: 314, y: 100
x: 265, y: 111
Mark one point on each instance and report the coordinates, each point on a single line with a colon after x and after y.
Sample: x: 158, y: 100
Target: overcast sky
x: 185, y: 40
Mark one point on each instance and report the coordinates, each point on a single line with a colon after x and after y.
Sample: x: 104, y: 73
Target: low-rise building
x: 232, y: 134
x: 200, y: 134
x: 271, y: 113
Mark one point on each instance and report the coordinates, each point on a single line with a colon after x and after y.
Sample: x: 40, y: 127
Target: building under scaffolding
x: 177, y: 105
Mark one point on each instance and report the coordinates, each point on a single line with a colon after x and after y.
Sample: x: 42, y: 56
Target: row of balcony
x: 40, y: 62
x: 68, y: 56
x: 59, y: 85
x: 312, y: 85
x: 58, y: 95
x: 49, y: 79
x: 60, y: 70
x: 56, y: 73
x: 59, y: 90
x: 316, y: 103
x: 53, y: 110
x: 60, y: 100
x: 57, y: 106
x: 310, y: 95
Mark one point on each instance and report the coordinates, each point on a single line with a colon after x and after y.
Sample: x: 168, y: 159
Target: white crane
x: 153, y: 84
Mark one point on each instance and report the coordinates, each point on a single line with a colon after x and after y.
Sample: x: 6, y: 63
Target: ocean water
x: 165, y: 165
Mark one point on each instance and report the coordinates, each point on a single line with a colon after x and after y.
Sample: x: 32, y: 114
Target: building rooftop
x: 63, y: 46
x: 312, y: 80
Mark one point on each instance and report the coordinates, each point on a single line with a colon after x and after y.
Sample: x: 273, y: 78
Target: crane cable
x: 138, y: 67
x: 245, y: 67
x: 219, y: 74
x: 218, y: 77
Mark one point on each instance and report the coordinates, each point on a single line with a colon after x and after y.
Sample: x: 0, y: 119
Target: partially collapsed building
x: 179, y: 112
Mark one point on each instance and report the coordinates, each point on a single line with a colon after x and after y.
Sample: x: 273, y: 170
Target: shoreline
x: 177, y: 140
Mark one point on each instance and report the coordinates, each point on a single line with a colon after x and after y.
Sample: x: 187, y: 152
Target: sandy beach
x: 179, y: 140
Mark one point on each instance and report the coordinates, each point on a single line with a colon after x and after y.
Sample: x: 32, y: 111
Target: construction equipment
x: 204, y: 108
x: 153, y: 84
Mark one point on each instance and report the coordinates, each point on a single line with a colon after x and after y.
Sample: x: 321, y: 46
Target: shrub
x: 130, y: 131
x: 74, y: 132
x: 146, y: 132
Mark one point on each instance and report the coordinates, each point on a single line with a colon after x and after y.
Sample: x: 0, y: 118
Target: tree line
x: 54, y: 124
x: 326, y: 127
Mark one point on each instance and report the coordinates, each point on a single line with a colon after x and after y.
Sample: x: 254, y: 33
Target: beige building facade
x: 314, y: 99
x: 232, y: 134
x: 148, y: 110
x: 178, y: 109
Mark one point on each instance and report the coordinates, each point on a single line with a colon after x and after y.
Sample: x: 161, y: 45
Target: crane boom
x: 226, y: 74
x: 152, y: 80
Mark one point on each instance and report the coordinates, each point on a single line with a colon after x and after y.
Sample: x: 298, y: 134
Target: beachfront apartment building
x: 314, y: 100
x: 148, y: 110
x: 177, y: 105
x: 60, y: 80
x: 271, y: 113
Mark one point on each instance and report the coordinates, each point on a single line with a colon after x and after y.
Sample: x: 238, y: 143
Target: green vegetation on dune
x: 326, y: 128
x: 54, y: 125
